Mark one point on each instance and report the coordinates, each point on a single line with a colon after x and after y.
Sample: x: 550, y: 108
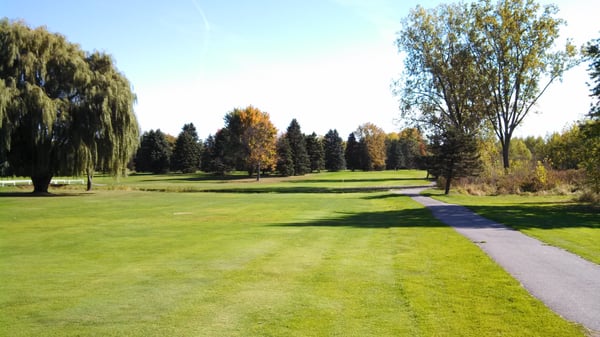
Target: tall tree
x: 297, y: 143
x: 513, y: 43
x: 207, y: 157
x: 334, y: 151
x: 439, y: 91
x: 251, y: 139
x: 259, y: 138
x: 394, y: 159
x: 314, y: 148
x: 353, y: 153
x: 590, y: 128
x: 187, y: 151
x: 285, y: 162
x: 215, y: 153
x: 62, y: 110
x: 372, y: 139
x: 412, y: 147
x: 154, y: 154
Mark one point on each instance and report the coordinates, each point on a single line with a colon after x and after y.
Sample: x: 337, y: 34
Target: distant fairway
x: 325, y: 259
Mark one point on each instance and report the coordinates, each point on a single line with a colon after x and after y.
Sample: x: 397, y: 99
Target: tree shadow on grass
x: 418, y: 218
x: 29, y: 194
x: 307, y: 189
x: 542, y: 215
x: 374, y: 180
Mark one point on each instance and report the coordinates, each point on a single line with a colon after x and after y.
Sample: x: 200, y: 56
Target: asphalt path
x: 565, y: 282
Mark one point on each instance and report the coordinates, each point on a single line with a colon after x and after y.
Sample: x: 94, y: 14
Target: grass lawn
x: 135, y: 263
x: 240, y: 182
x: 556, y: 220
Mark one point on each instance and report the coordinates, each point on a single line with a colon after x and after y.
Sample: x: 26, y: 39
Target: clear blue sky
x: 327, y: 63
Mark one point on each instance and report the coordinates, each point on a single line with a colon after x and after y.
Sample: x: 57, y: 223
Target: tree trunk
x: 449, y: 174
x: 89, y: 182
x: 258, y: 172
x: 41, y: 183
x: 447, y: 188
x: 505, y: 151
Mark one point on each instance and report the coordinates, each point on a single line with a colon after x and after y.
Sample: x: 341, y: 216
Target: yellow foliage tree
x: 259, y: 138
x: 372, y: 138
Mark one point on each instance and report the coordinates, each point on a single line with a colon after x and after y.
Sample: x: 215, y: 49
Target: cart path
x: 565, y: 282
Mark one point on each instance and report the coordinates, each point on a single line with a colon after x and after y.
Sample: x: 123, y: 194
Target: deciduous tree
x: 439, y: 90
x: 372, y: 139
x: 259, y: 138
x: 513, y: 43
x: 62, y: 110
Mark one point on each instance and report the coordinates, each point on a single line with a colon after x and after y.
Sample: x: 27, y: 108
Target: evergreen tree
x: 314, y: 147
x: 187, y: 152
x: 454, y: 154
x: 206, y: 156
x: 394, y: 158
x: 353, y: 153
x: 154, y: 153
x: 298, y: 145
x: 590, y: 128
x: 334, y: 151
x: 285, y: 162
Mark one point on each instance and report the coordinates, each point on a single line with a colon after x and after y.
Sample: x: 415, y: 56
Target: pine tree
x: 454, y: 154
x: 314, y: 147
x: 187, y: 152
x: 298, y: 145
x: 353, y: 153
x: 154, y: 153
x: 394, y: 159
x: 334, y: 151
x: 285, y: 162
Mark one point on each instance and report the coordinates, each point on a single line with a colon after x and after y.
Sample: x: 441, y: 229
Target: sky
x: 327, y: 63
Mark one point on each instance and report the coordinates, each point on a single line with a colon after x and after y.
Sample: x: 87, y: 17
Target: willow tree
x: 514, y: 44
x: 62, y: 111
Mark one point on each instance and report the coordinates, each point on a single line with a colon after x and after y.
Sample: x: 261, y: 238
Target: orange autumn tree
x: 258, y: 136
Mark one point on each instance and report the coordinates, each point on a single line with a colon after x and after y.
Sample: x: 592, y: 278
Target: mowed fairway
x: 132, y: 263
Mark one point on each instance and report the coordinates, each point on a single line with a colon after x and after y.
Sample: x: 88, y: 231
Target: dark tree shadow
x: 418, y: 217
x: 542, y: 215
x: 30, y: 194
x: 374, y: 180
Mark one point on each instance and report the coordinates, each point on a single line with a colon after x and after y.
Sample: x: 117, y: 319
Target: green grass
x: 240, y: 182
x: 556, y: 220
x: 133, y: 263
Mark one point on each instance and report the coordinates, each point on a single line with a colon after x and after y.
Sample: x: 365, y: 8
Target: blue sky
x: 327, y: 63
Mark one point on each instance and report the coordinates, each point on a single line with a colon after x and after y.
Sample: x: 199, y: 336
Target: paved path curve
x: 565, y: 282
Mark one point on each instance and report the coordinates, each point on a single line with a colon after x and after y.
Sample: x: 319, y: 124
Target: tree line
x: 471, y: 70
x: 249, y: 142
